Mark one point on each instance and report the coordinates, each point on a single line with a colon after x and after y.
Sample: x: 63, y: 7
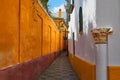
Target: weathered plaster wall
x: 27, y: 32
x: 97, y: 13
x: 84, y: 44
x: 85, y: 49
x: 9, y: 32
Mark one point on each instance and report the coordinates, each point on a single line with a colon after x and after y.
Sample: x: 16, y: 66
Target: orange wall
x: 9, y: 32
x: 84, y: 69
x: 114, y: 73
x: 30, y: 32
x: 26, y: 32
x: 41, y: 37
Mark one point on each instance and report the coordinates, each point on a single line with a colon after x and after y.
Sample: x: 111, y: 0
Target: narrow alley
x: 60, y: 69
x: 60, y: 40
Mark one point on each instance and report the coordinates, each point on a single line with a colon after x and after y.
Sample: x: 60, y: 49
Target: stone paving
x: 60, y: 69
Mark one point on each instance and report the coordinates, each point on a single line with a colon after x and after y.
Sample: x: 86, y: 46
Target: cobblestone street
x: 60, y: 69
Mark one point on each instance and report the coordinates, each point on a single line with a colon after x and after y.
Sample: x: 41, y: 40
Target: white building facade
x: 103, y: 59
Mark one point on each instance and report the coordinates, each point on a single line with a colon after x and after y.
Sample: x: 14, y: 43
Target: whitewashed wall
x: 84, y: 46
x: 108, y: 15
x: 97, y: 13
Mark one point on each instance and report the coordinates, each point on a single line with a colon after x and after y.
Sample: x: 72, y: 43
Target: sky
x: 55, y: 5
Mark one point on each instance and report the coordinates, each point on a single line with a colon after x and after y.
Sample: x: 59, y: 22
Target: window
x: 71, y: 6
x: 80, y: 21
x: 68, y: 17
x: 73, y: 34
x: 72, y: 2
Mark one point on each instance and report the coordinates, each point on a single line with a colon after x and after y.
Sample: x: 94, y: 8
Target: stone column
x: 100, y: 36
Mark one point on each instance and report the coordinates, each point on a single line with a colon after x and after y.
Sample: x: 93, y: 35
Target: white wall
x: 97, y: 13
x: 108, y: 14
x: 84, y: 46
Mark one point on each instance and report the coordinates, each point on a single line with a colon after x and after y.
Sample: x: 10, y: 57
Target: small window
x: 68, y: 17
x: 72, y: 2
x: 71, y: 6
x: 73, y: 34
x: 80, y: 21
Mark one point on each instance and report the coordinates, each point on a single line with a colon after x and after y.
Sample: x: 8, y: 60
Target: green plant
x: 44, y: 3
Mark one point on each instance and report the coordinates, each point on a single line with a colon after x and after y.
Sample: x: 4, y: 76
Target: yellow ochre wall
x: 87, y: 71
x: 27, y: 32
x: 114, y: 73
x: 84, y: 69
x: 9, y: 32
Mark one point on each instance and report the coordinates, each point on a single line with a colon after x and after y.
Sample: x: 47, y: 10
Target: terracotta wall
x: 27, y: 32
